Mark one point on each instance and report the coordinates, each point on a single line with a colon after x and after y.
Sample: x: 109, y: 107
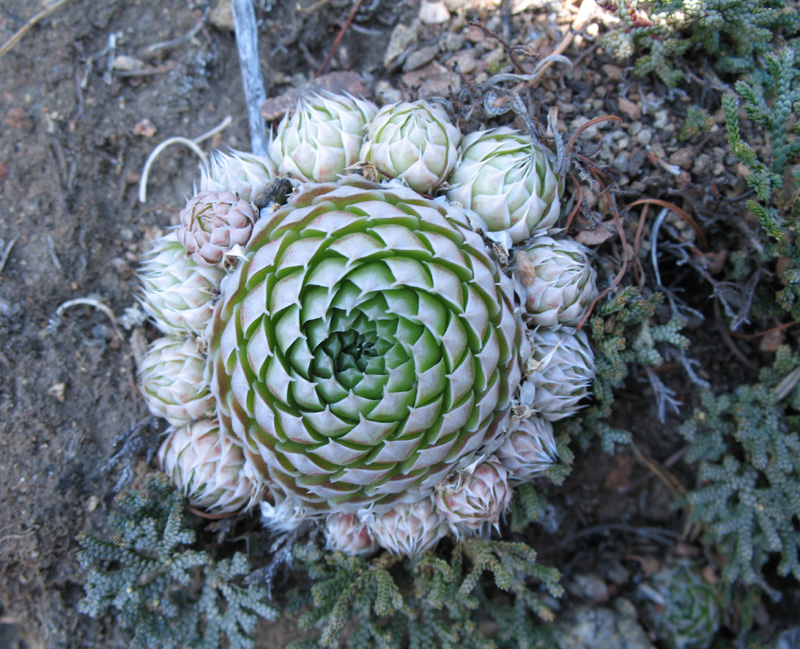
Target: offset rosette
x: 529, y: 450
x: 366, y: 347
x: 563, y: 371
x: 177, y: 292
x: 172, y: 381
x: 559, y: 281
x: 322, y: 138
x: 414, y: 141
x: 475, y: 497
x: 409, y: 528
x: 212, y: 223
x: 245, y: 174
x: 345, y: 533
x: 508, y: 183
x: 208, y: 467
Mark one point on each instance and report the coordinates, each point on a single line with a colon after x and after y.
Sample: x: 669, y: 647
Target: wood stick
x: 244, y: 20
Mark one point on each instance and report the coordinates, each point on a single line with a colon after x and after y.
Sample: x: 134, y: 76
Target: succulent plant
x: 409, y: 528
x: 683, y: 607
x: 559, y: 281
x: 366, y: 346
x: 345, y: 533
x: 529, y: 450
x: 322, y: 138
x: 413, y: 141
x: 508, y: 183
x: 475, y: 497
x: 562, y: 371
x: 245, y: 174
x: 208, y: 467
x: 172, y: 382
x: 176, y: 292
x: 212, y: 223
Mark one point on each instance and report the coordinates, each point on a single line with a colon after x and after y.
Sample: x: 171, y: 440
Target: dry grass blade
x: 701, y: 237
x: 24, y: 29
x: 339, y: 37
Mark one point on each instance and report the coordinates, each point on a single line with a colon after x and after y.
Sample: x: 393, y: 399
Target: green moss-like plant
x: 734, y: 33
x: 427, y: 602
x: 624, y: 334
x: 169, y: 593
x: 747, y: 444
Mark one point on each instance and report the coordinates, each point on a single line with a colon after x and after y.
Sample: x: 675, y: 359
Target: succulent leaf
x: 245, y: 174
x: 177, y: 292
x: 563, y: 369
x: 366, y: 347
x: 322, y: 138
x: 171, y: 377
x: 413, y: 141
x: 559, y: 282
x: 208, y: 467
x: 508, y: 183
x: 212, y: 223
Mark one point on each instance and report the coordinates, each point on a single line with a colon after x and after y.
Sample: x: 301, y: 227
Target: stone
x: 420, y: 57
x: 401, y: 39
x: 221, y: 16
x: 433, y: 13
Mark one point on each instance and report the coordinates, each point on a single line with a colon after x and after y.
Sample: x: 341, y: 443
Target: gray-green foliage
x: 734, y: 33
x: 773, y: 106
x: 171, y: 594
x: 747, y: 443
x: 428, y: 602
x: 681, y: 605
x: 624, y: 334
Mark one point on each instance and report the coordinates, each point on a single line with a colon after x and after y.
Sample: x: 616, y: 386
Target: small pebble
x: 620, y: 162
x: 661, y: 119
x: 433, y: 13
x: 420, y: 57
x: 644, y: 136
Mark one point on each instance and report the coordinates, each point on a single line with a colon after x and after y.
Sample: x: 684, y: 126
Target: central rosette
x: 366, y: 347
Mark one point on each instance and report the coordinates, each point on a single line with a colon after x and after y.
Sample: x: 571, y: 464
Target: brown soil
x: 73, y: 142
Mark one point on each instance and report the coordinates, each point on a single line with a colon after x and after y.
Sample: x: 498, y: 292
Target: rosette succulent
x: 529, y: 450
x: 563, y: 369
x: 475, y: 497
x: 413, y: 141
x: 366, y: 347
x: 245, y: 174
x: 682, y: 606
x: 208, y: 467
x: 177, y: 292
x: 559, y: 281
x: 345, y: 533
x: 322, y: 138
x: 172, y: 382
x: 508, y: 183
x: 212, y: 223
x: 409, y: 528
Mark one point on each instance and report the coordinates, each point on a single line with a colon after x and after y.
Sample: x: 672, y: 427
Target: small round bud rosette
x: 214, y: 222
x: 559, y: 281
x: 245, y: 174
x: 410, y: 528
x: 177, y: 292
x: 683, y: 608
x: 322, y: 138
x: 475, y: 497
x: 414, y: 141
x: 529, y: 450
x: 172, y: 383
x: 563, y: 369
x: 345, y: 533
x: 508, y: 183
x: 208, y: 467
